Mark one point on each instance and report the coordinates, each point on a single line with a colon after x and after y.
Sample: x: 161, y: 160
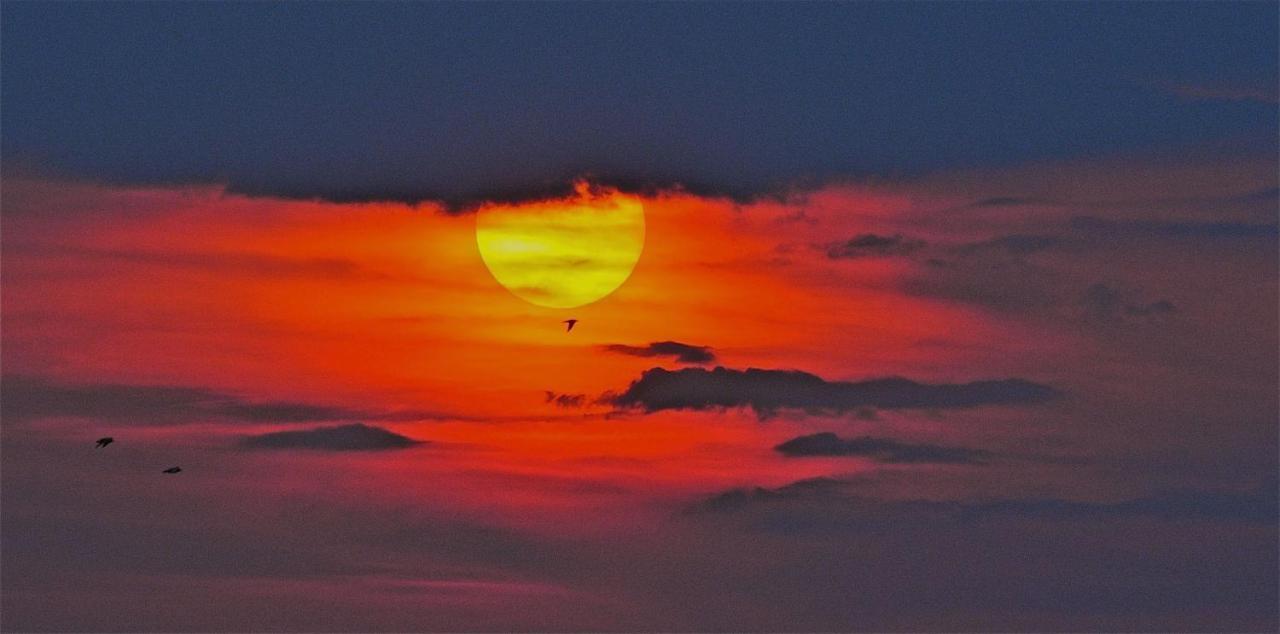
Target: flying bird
x: 173, y: 470
x: 570, y: 323
x: 103, y: 442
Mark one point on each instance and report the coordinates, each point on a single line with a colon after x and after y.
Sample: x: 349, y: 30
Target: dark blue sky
x: 459, y: 101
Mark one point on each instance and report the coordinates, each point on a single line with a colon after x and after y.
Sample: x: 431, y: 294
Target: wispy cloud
x: 872, y: 245
x: 681, y: 352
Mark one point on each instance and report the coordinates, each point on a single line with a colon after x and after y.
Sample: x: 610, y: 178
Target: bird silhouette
x: 104, y: 441
x: 173, y: 470
x: 569, y: 324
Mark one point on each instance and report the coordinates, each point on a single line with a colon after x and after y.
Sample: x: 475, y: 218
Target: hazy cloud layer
x: 834, y: 500
x: 767, y: 391
x: 1173, y: 229
x: 32, y: 397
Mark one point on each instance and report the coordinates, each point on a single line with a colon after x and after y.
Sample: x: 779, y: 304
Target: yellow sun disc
x: 563, y: 253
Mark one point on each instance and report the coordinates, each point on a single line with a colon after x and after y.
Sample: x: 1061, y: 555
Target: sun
x: 563, y: 253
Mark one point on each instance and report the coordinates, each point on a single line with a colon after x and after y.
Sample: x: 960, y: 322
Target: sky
x: 888, y: 317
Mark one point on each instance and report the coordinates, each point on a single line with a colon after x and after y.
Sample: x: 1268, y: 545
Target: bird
x: 104, y: 441
x: 570, y: 323
x: 173, y: 470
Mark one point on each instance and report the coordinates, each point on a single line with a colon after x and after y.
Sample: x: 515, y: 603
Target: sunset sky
x: 890, y: 316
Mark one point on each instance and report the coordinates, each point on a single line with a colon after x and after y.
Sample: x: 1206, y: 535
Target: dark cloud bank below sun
x: 768, y: 391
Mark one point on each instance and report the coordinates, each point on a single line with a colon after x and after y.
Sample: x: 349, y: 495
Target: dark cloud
x: 682, y: 352
x: 309, y: 109
x: 1258, y: 507
x: 1169, y: 229
x: 30, y: 397
x: 1103, y: 303
x: 1003, y: 201
x: 735, y: 499
x: 767, y: 391
x: 565, y: 400
x: 354, y: 437
x: 878, y: 449
x: 872, y: 245
x: 1154, y: 309
x: 833, y: 500
x: 1260, y: 92
x: 1015, y: 245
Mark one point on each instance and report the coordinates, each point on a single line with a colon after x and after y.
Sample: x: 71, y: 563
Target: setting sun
x: 563, y: 253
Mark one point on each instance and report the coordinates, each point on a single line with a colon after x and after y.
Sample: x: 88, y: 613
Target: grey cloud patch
x: 829, y: 500
x: 767, y: 391
x: 31, y: 397
x: 681, y: 352
x: 1016, y: 244
x: 1265, y: 93
x: 1160, y: 228
x: 355, y: 437
x: 1162, y: 307
x: 565, y: 400
x: 872, y: 245
x: 735, y: 499
x: 1254, y: 507
x: 1004, y: 201
x: 879, y: 449
x: 1102, y: 303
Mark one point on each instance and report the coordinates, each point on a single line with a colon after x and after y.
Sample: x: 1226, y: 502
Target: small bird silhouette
x: 104, y: 441
x: 173, y: 470
x: 570, y: 323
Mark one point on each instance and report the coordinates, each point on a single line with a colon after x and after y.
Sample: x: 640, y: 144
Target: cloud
x: 872, y: 245
x: 1261, y: 93
x: 565, y: 400
x: 1103, y: 303
x: 1171, y: 229
x: 1015, y: 244
x: 767, y: 391
x: 256, y: 264
x: 683, y: 352
x: 832, y: 501
x: 1004, y: 201
x: 735, y: 499
x: 354, y: 437
x: 31, y: 397
x: 878, y: 449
